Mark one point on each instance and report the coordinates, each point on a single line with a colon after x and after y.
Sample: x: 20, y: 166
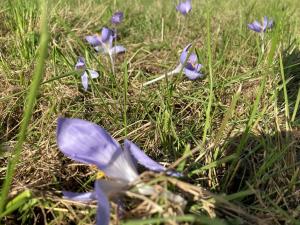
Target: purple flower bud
x: 117, y: 18
x: 80, y: 63
x: 184, y: 7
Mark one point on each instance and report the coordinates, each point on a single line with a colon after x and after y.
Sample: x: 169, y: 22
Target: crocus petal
x: 255, y: 26
x: 265, y: 23
x: 80, y: 63
x: 122, y: 168
x: 106, y: 46
x: 192, y: 74
x: 85, y: 80
x: 103, y: 208
x: 270, y: 24
x: 86, y: 142
x: 89, y: 143
x: 184, y: 54
x: 145, y: 160
x: 117, y: 49
x: 93, y: 40
x: 93, y: 73
x: 198, y: 67
x: 81, y: 197
x: 106, y: 33
x: 142, y: 158
x: 112, y: 187
x: 188, y: 6
x: 193, y: 59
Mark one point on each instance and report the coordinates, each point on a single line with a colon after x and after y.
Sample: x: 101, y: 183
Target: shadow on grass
x: 291, y: 63
x: 269, y: 165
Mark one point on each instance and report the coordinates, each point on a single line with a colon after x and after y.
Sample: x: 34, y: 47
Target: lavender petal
x: 111, y: 187
x: 93, y: 73
x: 86, y: 142
x: 80, y: 63
x: 93, y: 40
x: 81, y: 197
x: 142, y: 158
x: 255, y: 26
x: 193, y: 59
x: 184, y: 54
x: 85, y: 80
x: 106, y: 33
x: 117, y: 49
x: 192, y: 74
x: 103, y: 208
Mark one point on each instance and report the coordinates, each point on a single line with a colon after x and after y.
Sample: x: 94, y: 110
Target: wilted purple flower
x: 104, y: 43
x: 117, y: 17
x: 89, y: 143
x: 261, y: 27
x: 189, y: 66
x: 80, y: 65
x: 184, y: 7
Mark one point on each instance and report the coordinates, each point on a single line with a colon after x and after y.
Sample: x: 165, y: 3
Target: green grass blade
x: 215, y: 163
x: 30, y: 103
x: 296, y: 106
x: 16, y: 202
x: 228, y: 115
x: 286, y: 99
x: 211, y: 93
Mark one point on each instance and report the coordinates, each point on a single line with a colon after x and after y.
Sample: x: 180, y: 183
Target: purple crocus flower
x: 189, y: 66
x: 261, y: 27
x: 117, y: 17
x: 104, y: 43
x: 184, y: 7
x: 80, y: 65
x: 89, y: 143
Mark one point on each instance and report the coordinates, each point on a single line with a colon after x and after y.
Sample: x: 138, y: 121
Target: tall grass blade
x: 29, y: 105
x: 211, y: 93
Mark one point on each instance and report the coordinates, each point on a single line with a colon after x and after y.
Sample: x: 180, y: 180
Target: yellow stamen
x: 100, y: 175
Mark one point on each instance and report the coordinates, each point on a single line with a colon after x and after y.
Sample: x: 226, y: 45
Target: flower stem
x: 175, y: 71
x: 262, y: 43
x: 112, y: 63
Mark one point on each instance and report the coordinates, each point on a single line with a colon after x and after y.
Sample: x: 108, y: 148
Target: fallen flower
x: 80, y: 65
x: 104, y: 43
x: 188, y: 65
x: 184, y: 7
x: 89, y: 143
x: 261, y: 27
x: 117, y: 17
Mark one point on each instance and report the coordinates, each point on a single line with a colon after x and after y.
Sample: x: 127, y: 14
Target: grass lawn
x: 233, y: 133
